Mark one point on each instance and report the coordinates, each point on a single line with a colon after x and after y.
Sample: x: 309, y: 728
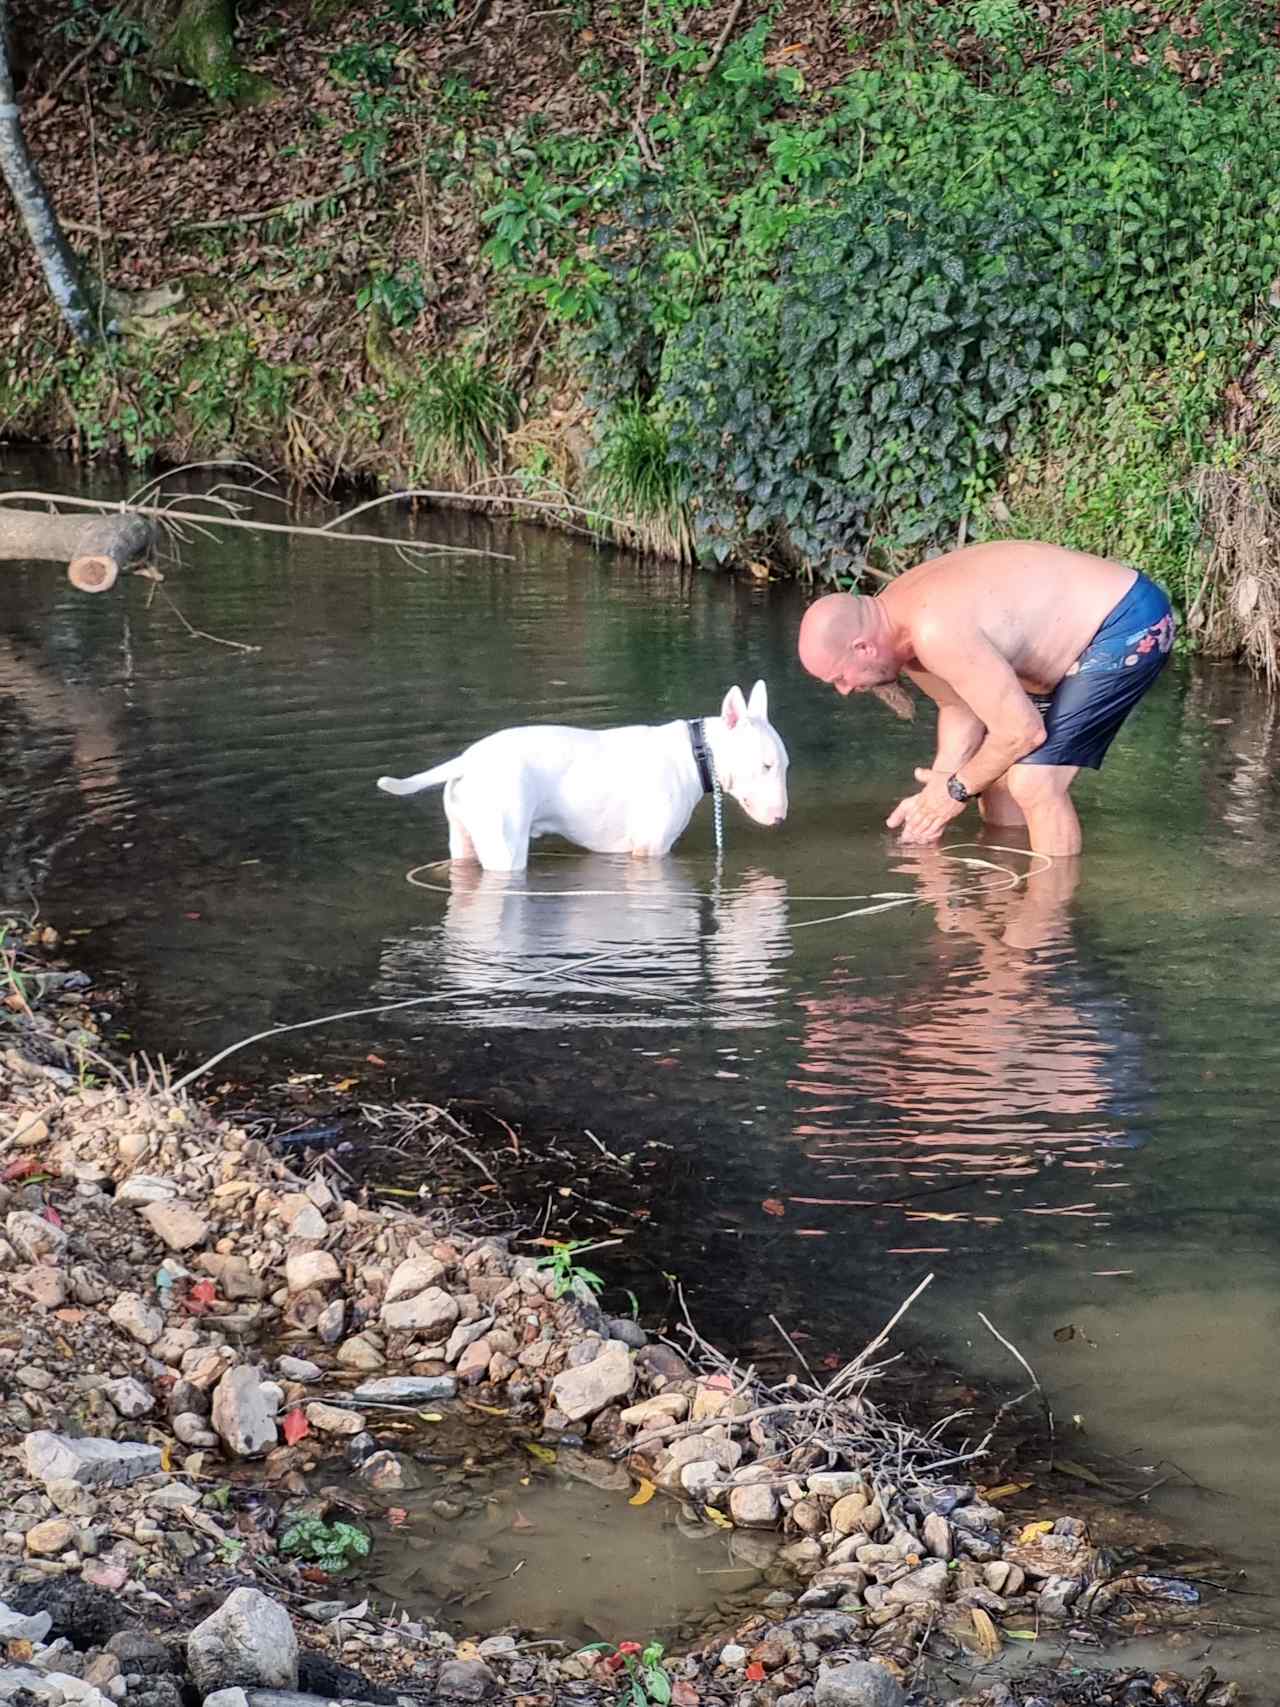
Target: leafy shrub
x: 871, y: 395
x: 634, y: 471
x: 332, y: 1546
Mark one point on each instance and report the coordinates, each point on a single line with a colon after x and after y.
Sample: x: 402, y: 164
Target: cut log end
x: 93, y: 574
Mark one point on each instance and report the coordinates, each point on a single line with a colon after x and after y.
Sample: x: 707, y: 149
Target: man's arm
x: 959, y: 733
x: 989, y: 690
x: 976, y: 675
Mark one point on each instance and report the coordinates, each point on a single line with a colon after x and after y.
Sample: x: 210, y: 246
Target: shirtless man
x: 1035, y: 657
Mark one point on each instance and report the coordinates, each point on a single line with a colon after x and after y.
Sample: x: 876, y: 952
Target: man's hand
x: 923, y: 817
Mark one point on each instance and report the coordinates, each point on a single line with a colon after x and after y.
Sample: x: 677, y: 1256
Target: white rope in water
x: 882, y: 901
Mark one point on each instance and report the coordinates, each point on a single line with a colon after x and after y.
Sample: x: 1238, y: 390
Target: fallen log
x: 95, y: 548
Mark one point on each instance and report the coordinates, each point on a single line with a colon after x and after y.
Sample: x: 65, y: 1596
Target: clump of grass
x: 639, y: 486
x: 458, y: 410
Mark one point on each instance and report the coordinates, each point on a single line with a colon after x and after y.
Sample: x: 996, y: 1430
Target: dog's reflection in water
x: 662, y: 948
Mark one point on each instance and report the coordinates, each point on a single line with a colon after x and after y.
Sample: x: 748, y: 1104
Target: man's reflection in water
x: 1004, y: 1059
x: 665, y: 947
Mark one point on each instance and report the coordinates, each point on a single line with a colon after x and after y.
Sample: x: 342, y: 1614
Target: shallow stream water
x: 1057, y: 1096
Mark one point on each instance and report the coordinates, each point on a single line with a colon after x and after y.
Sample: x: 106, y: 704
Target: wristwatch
x: 957, y: 790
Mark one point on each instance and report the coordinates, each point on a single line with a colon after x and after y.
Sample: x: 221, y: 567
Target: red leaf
x: 375, y: 1060
x: 755, y: 1672
x: 51, y: 1215
x: 200, y: 1297
x: 294, y: 1425
x: 774, y: 1206
x: 396, y: 1514
x: 684, y: 1694
x: 21, y: 1168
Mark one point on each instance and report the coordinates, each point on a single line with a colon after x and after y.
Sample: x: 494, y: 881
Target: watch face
x: 956, y: 789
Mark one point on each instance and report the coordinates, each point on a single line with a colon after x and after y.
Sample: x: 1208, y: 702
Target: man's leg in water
x: 998, y: 807
x: 1043, y: 792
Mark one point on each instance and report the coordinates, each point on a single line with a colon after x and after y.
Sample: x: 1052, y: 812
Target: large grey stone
x: 248, y: 1641
x: 23, y: 1626
x: 464, y: 1680
x: 754, y: 1506
x: 55, y: 1457
x: 406, y: 1389
x: 244, y: 1412
x: 581, y: 1392
x: 414, y: 1275
x: 858, y: 1684
x: 928, y: 1584
x: 432, y: 1313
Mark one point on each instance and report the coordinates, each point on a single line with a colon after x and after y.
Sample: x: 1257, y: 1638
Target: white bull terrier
x: 629, y: 790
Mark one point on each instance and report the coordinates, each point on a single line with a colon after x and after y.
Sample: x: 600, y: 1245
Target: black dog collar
x: 701, y: 754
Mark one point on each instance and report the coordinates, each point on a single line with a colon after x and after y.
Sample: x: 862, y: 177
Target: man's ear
x: 734, y: 708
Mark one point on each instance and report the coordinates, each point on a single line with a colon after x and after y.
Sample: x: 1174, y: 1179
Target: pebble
x: 360, y: 1352
x: 432, y: 1313
x: 860, y: 1683
x: 298, y: 1369
x: 193, y: 1429
x: 176, y: 1224
x: 137, y: 1318
x: 754, y: 1506
x: 51, y: 1537
x: 332, y: 1319
x: 130, y: 1397
x: 733, y: 1655
x: 305, y: 1269
x: 406, y: 1389
x: 661, y: 1408
x: 141, y: 1189
x: 243, y: 1413
x: 333, y: 1419
x: 414, y: 1275
x: 389, y: 1472
x: 583, y: 1391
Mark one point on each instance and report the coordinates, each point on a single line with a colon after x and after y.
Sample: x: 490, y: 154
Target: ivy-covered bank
x: 813, y: 286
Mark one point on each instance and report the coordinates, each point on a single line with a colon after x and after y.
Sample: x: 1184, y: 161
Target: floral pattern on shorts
x: 1125, y: 653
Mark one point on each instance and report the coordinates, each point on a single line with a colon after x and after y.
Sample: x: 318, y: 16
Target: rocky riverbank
x: 193, y: 1332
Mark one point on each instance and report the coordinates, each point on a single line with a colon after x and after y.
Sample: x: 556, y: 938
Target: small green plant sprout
x: 647, y: 1680
x: 13, y: 986
x: 332, y: 1546
x: 568, y: 1273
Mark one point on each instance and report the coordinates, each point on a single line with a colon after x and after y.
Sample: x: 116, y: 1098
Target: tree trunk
x: 196, y: 39
x: 95, y: 549
x: 19, y: 172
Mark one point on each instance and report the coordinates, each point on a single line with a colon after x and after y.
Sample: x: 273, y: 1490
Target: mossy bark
x: 196, y: 40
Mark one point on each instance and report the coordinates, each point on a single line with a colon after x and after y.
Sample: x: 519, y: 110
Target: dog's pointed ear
x: 758, y: 704
x: 734, y: 708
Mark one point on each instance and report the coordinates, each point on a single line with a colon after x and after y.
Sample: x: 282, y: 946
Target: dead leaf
x: 345, y: 1084
x: 683, y: 1694
x: 1005, y: 1491
x: 644, y: 1493
x: 375, y: 1060
x: 716, y: 1517
x: 396, y: 1515
x: 544, y: 1454
x: 1033, y: 1531
x: 294, y: 1425
x: 166, y: 1456
x: 988, y: 1636
x: 520, y: 1522
x: 468, y: 1652
x: 774, y: 1206
x: 1071, y: 1331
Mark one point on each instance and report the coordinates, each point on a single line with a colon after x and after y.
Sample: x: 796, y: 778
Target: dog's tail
x: 424, y: 779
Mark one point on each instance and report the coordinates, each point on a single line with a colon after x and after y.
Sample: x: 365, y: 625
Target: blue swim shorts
x: 1083, y: 713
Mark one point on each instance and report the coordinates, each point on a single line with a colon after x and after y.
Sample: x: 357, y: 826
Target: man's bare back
x: 1037, y: 605
x: 1034, y: 656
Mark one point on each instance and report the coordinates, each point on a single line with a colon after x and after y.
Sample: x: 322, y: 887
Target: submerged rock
x: 406, y: 1389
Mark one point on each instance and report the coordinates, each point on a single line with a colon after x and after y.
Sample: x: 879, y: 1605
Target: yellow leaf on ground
x: 1005, y: 1491
x: 1033, y: 1531
x: 716, y: 1517
x: 544, y: 1454
x: 431, y: 1416
x: 466, y: 1651
x: 1021, y: 1635
x: 489, y: 1410
x: 643, y: 1494
x: 166, y: 1456
x: 345, y: 1084
x: 988, y: 1635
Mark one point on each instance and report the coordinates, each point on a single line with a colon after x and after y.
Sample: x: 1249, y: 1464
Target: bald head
x: 831, y: 625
